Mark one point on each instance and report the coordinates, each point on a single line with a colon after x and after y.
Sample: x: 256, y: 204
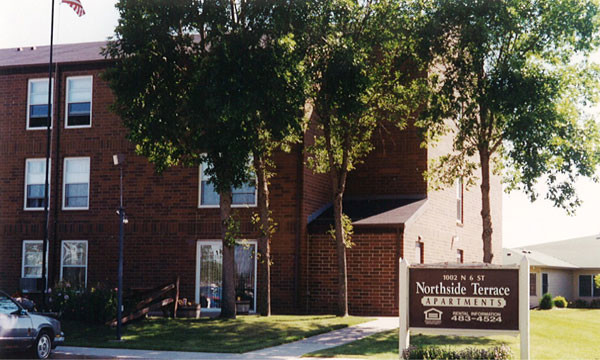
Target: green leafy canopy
x: 363, y: 65
x: 207, y: 81
x: 512, y: 80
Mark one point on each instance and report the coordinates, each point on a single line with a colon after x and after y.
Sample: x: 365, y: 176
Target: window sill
x: 78, y: 127
x: 75, y: 209
x: 232, y: 206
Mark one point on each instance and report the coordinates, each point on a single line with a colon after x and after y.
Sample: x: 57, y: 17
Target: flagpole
x: 48, y: 145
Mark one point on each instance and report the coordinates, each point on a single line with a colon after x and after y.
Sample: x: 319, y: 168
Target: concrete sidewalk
x: 285, y: 351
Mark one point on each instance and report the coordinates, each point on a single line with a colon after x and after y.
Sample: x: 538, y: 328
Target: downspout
x: 56, y: 247
x: 399, y: 255
x: 300, y: 225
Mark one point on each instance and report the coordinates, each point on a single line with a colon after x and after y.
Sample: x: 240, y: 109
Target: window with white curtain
x: 35, y: 178
x: 31, y: 265
x: 244, y: 195
x: 79, y: 102
x: 73, y: 262
x: 37, y: 104
x: 76, y: 183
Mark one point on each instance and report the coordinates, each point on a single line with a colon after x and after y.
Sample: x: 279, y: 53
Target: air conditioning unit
x: 31, y: 285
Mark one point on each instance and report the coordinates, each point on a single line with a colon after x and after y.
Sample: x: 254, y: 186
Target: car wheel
x: 42, y: 346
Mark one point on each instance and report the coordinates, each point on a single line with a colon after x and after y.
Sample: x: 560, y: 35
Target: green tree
x: 210, y: 82
x: 363, y: 70
x: 509, y: 81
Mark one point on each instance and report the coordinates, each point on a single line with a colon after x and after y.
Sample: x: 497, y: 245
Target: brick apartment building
x: 173, y: 227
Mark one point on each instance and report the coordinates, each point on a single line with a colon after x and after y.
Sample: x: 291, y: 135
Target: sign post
x: 403, y: 335
x: 524, y: 307
x: 464, y: 300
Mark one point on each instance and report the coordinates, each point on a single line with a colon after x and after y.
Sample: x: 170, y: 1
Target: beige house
x: 566, y: 268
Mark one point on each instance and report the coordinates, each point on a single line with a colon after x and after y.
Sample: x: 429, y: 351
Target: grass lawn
x: 243, y: 334
x: 555, y: 334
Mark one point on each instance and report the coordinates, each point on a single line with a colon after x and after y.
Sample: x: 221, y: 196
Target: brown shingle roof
x: 373, y: 212
x: 64, y: 53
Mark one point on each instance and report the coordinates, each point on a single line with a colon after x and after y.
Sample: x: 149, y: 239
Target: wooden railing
x: 158, y: 298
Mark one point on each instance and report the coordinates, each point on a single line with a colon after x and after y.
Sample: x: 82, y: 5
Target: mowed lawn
x: 243, y: 334
x: 555, y: 334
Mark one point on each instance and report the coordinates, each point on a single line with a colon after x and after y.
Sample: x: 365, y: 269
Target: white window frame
x: 29, y: 82
x: 27, y: 161
x: 200, y: 206
x: 419, y: 252
x: 87, y: 250
x: 64, y: 189
x: 67, y: 101
x: 460, y: 256
x: 460, y: 196
x: 23, y: 258
x: 220, y: 243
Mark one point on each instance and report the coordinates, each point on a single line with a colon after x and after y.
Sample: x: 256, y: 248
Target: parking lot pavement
x: 62, y: 355
x: 55, y: 355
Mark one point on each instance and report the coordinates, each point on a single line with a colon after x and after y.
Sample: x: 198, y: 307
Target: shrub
x: 546, y: 302
x: 560, y: 302
x: 94, y: 305
x: 434, y: 352
x: 595, y: 304
x: 579, y: 304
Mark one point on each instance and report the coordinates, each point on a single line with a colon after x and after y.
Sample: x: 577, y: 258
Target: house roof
x: 583, y: 252
x: 373, y: 212
x: 64, y: 53
x: 536, y: 258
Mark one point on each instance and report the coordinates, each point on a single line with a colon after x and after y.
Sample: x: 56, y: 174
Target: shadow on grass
x: 441, y: 340
x: 246, y: 333
x: 385, y: 344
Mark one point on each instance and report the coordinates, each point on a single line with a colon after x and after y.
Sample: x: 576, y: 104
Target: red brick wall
x: 372, y: 274
x: 165, y: 222
x: 164, y: 219
x: 393, y: 168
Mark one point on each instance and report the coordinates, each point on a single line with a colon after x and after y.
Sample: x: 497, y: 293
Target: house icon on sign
x: 433, y: 316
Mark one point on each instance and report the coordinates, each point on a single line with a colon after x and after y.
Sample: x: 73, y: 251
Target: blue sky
x: 27, y: 22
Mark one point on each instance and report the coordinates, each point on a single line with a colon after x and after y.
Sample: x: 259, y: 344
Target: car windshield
x: 7, y: 306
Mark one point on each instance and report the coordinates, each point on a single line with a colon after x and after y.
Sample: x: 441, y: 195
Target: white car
x: 24, y: 331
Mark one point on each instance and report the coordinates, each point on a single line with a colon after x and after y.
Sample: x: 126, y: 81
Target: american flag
x: 76, y: 6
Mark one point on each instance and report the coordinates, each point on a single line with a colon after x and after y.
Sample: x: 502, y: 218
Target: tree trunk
x: 341, y: 254
x: 486, y: 216
x: 264, y: 246
x: 228, y: 294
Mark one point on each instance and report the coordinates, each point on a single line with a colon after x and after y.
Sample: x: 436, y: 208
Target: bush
x: 434, y: 352
x: 579, y: 304
x: 560, y: 302
x: 94, y: 305
x: 595, y: 304
x: 546, y: 302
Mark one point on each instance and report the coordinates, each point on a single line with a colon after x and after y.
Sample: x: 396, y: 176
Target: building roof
x: 583, y: 252
x: 536, y: 258
x: 40, y: 55
x: 374, y: 211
